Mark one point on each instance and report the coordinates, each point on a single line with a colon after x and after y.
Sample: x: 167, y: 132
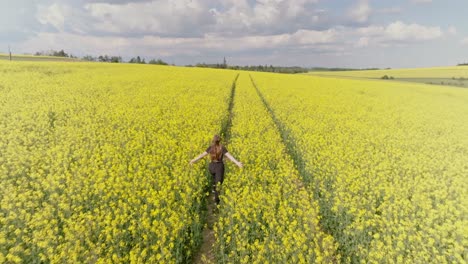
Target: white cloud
x: 175, y: 17
x: 266, y: 17
x: 338, y: 39
x: 362, y: 42
x: 17, y: 20
x: 65, y: 18
x: 421, y: 1
x: 176, y: 45
x: 399, y: 32
x: 53, y: 15
x: 200, y: 29
x: 307, y: 37
x: 389, y: 10
x: 464, y: 41
x: 182, y: 18
x: 360, y: 12
x: 452, y: 30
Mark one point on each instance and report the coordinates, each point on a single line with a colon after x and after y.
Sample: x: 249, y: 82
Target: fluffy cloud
x: 64, y: 17
x: 402, y: 31
x: 163, y: 17
x: 398, y: 32
x: 389, y: 10
x: 170, y: 46
x: 452, y: 30
x: 338, y: 39
x: 421, y: 1
x: 266, y: 17
x: 464, y: 41
x: 119, y: 2
x: 275, y: 30
x: 17, y: 20
x: 54, y: 15
x: 362, y: 42
x: 361, y: 12
x: 189, y: 18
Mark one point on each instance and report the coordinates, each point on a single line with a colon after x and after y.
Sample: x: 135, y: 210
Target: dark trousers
x: 217, y: 171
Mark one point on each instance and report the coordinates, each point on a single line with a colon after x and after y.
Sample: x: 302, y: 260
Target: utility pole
x: 9, y: 51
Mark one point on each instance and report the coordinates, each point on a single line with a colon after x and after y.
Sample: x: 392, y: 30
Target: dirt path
x: 206, y: 253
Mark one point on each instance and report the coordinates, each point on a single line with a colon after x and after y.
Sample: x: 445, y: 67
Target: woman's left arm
x: 198, y: 157
x: 233, y: 160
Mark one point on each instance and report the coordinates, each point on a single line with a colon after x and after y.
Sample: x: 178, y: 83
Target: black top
x: 223, y: 151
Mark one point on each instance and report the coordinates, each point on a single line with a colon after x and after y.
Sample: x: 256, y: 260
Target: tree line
x: 261, y: 68
x: 100, y: 58
x: 118, y: 59
x: 276, y: 69
x: 223, y: 65
x: 55, y: 53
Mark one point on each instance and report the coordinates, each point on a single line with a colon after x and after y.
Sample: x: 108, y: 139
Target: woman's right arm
x: 198, y: 157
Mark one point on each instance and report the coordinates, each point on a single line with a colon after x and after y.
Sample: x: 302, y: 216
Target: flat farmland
x: 94, y: 166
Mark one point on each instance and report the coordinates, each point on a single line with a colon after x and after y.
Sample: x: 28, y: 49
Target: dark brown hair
x: 216, y: 147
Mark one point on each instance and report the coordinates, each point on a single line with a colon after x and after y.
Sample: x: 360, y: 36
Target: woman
x: 217, y: 151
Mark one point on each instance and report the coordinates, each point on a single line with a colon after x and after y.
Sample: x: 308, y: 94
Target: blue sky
x: 329, y: 33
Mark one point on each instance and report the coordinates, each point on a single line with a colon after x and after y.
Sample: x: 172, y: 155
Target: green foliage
x: 55, y: 53
x: 89, y: 58
x: 137, y: 60
x: 113, y: 59
x: 158, y: 62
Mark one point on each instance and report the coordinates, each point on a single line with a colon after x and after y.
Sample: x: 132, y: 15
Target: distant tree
x: 89, y: 58
x: 115, y: 59
x: 386, y: 77
x: 137, y: 59
x: 158, y: 62
x: 60, y: 53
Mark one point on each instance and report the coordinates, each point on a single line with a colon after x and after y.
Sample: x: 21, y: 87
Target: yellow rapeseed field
x: 388, y: 163
x: 93, y: 163
x: 266, y: 214
x: 94, y: 166
x: 436, y: 72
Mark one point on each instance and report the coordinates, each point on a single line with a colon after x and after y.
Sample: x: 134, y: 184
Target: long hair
x: 216, y: 147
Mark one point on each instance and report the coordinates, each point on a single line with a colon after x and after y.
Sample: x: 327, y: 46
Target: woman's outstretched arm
x: 233, y: 159
x: 198, y: 157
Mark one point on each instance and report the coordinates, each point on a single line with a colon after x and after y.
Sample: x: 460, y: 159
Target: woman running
x: 216, y: 167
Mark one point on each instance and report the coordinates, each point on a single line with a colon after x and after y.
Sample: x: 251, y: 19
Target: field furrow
x: 265, y: 214
x: 386, y: 162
